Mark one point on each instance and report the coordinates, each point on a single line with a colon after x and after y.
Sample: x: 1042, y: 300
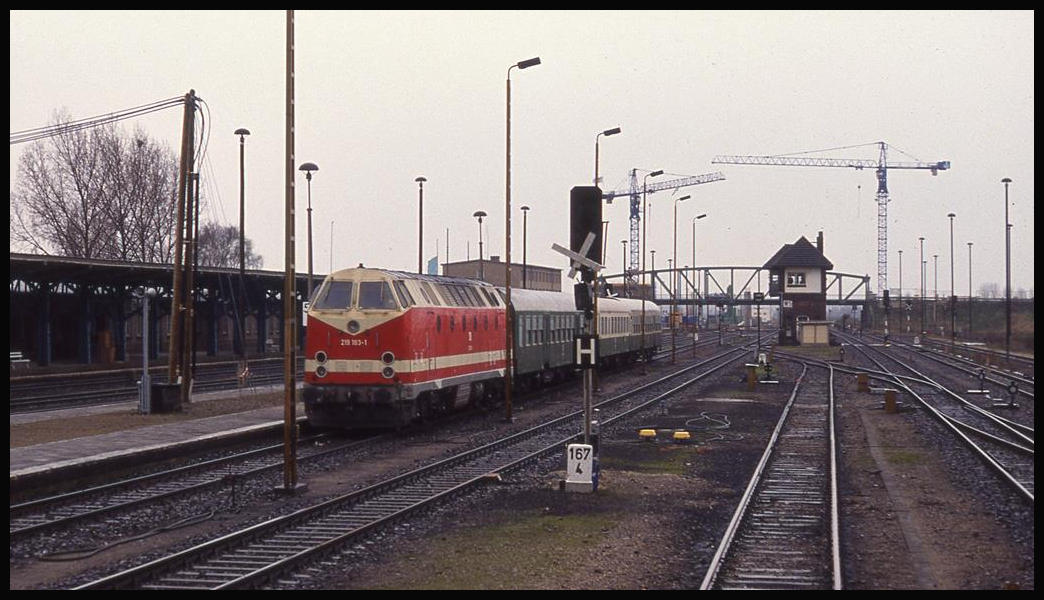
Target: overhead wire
x: 38, y: 133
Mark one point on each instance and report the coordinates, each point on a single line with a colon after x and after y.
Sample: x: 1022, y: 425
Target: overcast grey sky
x: 385, y: 96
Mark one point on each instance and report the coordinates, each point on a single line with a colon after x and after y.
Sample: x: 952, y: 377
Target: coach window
x: 334, y: 295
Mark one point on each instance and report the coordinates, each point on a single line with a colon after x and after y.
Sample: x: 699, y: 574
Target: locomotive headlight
x: 387, y: 358
x: 320, y: 356
x: 320, y: 371
x: 353, y: 326
x: 388, y: 372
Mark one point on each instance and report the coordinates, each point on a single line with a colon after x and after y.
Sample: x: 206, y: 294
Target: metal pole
x: 1007, y: 274
x: 146, y: 382
x: 674, y: 288
x: 241, y: 318
x: 290, y: 483
x: 309, y: 178
x: 525, y: 235
x: 953, y: 297
x: 508, y: 321
x: 923, y: 274
x: 969, y: 291
x: 420, y: 224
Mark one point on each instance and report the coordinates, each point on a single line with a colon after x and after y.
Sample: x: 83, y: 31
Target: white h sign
x: 586, y: 351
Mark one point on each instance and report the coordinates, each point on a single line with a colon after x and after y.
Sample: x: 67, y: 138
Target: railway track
x: 1004, y: 445
x: 281, y: 550
x: 69, y: 509
x: 991, y: 374
x: 101, y: 501
x: 784, y: 533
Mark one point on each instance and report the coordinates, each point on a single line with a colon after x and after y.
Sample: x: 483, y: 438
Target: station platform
x: 43, y: 464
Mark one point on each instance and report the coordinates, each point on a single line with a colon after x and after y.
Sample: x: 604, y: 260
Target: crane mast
x: 635, y: 194
x: 881, y: 166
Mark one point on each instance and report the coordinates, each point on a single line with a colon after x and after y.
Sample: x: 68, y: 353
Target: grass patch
x: 658, y: 457
x: 501, y: 555
x: 903, y: 457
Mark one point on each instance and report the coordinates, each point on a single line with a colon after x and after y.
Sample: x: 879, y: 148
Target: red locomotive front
x: 386, y: 347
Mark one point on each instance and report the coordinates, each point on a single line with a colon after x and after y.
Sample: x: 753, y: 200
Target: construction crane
x: 881, y: 165
x: 636, y: 205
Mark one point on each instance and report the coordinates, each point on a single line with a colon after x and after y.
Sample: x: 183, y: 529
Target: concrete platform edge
x: 42, y: 475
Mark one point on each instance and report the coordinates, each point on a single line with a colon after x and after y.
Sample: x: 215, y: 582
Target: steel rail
x: 787, y: 474
x: 985, y: 456
x: 380, y: 511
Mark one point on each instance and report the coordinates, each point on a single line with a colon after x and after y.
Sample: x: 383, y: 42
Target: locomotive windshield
x: 376, y: 294
x: 336, y: 295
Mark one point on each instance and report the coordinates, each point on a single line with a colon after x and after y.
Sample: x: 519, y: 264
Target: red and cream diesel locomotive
x: 385, y: 348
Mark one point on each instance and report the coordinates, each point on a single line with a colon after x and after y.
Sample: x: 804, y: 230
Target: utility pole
x: 290, y: 483
x: 175, y: 361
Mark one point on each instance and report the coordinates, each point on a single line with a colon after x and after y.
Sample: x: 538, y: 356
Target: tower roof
x: 799, y: 254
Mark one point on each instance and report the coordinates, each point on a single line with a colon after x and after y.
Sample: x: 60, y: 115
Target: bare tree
x: 95, y: 194
x: 219, y: 247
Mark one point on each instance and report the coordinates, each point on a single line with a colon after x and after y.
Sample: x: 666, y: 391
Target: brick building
x: 797, y: 275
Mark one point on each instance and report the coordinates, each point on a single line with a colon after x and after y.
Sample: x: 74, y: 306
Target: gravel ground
x: 916, y: 513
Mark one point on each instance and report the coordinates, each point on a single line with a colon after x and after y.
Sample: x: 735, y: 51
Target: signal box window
x: 795, y: 280
x: 335, y: 295
x: 376, y: 294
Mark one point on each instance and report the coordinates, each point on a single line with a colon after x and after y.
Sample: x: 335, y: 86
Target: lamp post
x: 674, y: 286
x: 606, y: 133
x: 145, y: 402
x: 695, y: 279
x: 420, y: 224
x: 508, y: 329
x: 969, y: 291
x: 935, y: 303
x: 645, y: 231
x: 242, y: 132
x: 902, y: 308
x: 479, y: 214
x: 1007, y: 274
x: 308, y: 168
x: 331, y: 246
x: 525, y: 228
x: 923, y: 273
x: 953, y: 297
x: 623, y: 263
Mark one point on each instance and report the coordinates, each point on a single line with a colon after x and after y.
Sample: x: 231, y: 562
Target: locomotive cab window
x: 376, y: 295
x: 335, y: 295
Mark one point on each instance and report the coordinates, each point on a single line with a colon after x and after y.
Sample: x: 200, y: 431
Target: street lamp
x: 674, y: 284
x: 953, y: 297
x: 901, y: 307
x: 508, y: 329
x: 1007, y: 274
x: 240, y: 339
x: 935, y: 303
x: 525, y: 228
x: 623, y: 264
x: 645, y: 230
x: 696, y: 325
x: 308, y: 168
x: 479, y: 214
x: 606, y: 133
x: 969, y: 291
x: 420, y: 224
x: 923, y: 273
